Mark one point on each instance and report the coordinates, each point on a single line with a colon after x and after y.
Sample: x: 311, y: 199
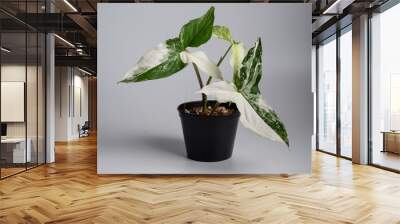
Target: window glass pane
x: 14, y: 153
x: 41, y: 98
x: 31, y: 88
x: 385, y: 87
x: 22, y: 89
x: 327, y: 96
x: 314, y: 88
x: 346, y: 94
x: 31, y: 98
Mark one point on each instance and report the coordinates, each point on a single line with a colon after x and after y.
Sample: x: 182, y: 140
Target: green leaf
x: 197, y: 31
x: 223, y: 33
x: 157, y: 63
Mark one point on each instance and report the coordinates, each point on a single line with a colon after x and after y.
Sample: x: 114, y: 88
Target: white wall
x: 62, y: 81
x: 69, y: 82
x: 12, y: 101
x: 79, y: 117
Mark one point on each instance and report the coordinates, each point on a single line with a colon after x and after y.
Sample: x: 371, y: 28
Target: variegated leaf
x: 249, y: 75
x: 238, y: 53
x: 157, y: 63
x: 223, y: 33
x: 256, y: 114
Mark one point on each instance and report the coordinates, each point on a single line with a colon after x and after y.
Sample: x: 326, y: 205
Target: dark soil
x: 211, y: 111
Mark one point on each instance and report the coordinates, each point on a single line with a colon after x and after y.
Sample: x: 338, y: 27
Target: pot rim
x: 235, y: 114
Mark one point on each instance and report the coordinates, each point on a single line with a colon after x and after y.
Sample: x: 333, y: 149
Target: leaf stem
x: 214, y: 107
x: 221, y: 59
x: 203, y: 96
x: 196, y: 69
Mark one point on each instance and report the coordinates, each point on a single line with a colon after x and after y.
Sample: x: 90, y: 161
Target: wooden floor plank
x: 70, y: 191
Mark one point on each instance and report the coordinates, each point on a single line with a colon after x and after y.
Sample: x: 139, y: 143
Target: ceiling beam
x: 84, y: 24
x: 82, y: 61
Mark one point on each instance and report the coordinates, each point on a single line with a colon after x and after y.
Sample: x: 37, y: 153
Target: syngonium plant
x: 173, y: 55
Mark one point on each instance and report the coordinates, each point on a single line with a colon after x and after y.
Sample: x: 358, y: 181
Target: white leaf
x: 203, y: 63
x: 224, y: 92
x: 238, y: 53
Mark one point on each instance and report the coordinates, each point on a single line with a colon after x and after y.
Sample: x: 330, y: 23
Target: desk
x: 13, y: 150
x: 391, y: 141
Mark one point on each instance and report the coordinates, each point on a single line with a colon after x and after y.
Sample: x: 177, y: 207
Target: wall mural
x: 176, y: 108
x: 173, y: 55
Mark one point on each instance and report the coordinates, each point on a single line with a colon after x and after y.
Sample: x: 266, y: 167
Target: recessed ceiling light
x: 337, y: 7
x: 64, y: 40
x: 84, y: 71
x: 5, y: 50
x: 331, y: 7
x: 70, y: 5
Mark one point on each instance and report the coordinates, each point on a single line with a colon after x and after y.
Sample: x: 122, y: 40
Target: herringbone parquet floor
x: 70, y: 191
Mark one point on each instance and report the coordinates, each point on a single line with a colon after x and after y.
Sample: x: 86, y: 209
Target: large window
x: 334, y: 104
x: 327, y: 96
x: 346, y: 93
x: 385, y: 89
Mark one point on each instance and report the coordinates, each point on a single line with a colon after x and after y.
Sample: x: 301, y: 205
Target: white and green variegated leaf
x: 269, y: 116
x: 160, y: 62
x: 238, y: 53
x: 197, y: 31
x: 203, y: 63
x: 249, y: 75
x: 223, y: 33
x: 255, y: 113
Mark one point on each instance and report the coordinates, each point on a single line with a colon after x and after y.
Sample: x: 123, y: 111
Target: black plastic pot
x: 208, y: 138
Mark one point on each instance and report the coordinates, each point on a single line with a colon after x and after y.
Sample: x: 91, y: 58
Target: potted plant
x: 209, y: 126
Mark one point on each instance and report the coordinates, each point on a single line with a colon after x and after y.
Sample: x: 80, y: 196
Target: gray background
x: 139, y: 128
